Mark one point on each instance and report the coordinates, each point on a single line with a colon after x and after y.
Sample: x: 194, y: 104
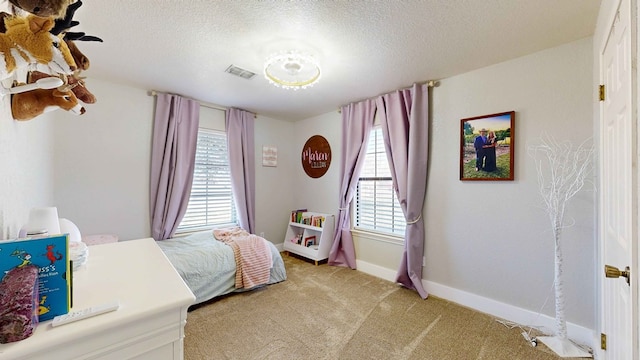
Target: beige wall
x: 102, y: 165
x: 26, y: 168
x: 490, y: 239
x: 275, y: 186
x: 102, y: 162
x: 319, y: 194
x: 493, y: 239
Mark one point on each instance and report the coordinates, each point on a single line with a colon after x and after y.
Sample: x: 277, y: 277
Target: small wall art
x: 316, y: 156
x: 269, y: 156
x: 486, y: 147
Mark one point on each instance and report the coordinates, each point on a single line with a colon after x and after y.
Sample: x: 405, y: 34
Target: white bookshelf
x: 297, y: 233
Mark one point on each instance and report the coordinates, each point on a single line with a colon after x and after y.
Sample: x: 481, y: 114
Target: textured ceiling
x: 365, y: 48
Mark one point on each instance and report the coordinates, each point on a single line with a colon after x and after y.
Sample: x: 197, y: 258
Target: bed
x: 208, y: 266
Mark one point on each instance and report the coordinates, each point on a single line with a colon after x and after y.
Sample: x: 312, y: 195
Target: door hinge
x: 601, y: 92
x: 603, y: 341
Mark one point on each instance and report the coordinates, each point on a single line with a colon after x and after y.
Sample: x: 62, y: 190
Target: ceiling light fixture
x: 292, y: 70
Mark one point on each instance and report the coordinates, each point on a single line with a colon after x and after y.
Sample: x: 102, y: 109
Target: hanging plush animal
x: 43, y: 8
x: 27, y: 42
x: 64, y: 24
x: 27, y: 105
x: 80, y: 59
x: 79, y: 89
x: 62, y: 27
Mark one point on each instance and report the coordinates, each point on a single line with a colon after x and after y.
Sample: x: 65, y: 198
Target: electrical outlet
x: 262, y: 234
x: 424, y: 261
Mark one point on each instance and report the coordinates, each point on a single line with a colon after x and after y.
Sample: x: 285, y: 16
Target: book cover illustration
x: 51, y: 255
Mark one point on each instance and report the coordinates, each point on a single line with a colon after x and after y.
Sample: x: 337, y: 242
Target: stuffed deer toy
x: 43, y: 8
x: 27, y: 43
x: 27, y: 105
x: 62, y: 28
x: 76, y: 81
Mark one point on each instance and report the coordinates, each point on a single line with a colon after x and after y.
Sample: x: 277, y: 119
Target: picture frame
x: 487, y: 147
x: 269, y: 156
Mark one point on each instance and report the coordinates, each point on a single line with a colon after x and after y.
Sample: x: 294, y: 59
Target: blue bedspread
x: 207, y: 265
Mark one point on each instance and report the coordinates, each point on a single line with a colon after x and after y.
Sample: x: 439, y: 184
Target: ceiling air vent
x: 234, y: 70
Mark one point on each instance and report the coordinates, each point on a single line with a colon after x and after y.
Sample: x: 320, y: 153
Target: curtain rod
x: 205, y: 104
x: 429, y: 83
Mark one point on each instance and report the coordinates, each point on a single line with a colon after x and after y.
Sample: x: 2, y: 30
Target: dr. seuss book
x: 51, y: 255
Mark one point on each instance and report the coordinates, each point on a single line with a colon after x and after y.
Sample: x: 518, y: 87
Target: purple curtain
x: 357, y: 121
x: 405, y: 128
x: 175, y: 135
x: 240, y: 144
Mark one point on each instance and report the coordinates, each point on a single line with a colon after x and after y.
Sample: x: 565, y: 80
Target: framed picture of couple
x: 486, y: 147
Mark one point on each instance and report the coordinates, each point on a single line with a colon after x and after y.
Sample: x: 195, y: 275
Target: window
x: 377, y: 208
x: 211, y: 201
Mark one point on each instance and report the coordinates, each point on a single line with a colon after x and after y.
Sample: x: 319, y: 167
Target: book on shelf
x: 309, y: 241
x: 51, y: 255
x: 301, y: 216
x: 317, y: 221
x: 296, y: 215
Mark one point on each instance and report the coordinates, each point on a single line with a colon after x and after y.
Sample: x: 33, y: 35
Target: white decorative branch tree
x: 562, y: 171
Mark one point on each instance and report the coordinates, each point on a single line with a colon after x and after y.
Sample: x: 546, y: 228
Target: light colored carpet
x: 327, y: 312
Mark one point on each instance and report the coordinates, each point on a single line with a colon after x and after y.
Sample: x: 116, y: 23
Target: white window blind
x: 211, y: 202
x: 376, y: 206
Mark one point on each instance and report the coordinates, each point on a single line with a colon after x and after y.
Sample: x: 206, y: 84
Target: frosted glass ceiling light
x: 292, y: 70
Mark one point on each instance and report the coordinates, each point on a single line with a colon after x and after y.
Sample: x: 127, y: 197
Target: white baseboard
x: 376, y: 270
x: 578, y: 334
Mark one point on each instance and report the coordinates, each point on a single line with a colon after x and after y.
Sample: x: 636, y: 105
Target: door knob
x: 614, y: 272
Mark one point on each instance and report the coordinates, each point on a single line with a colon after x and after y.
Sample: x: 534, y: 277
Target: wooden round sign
x: 316, y: 156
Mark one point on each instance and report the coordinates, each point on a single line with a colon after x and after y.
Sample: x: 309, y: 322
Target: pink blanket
x: 252, y: 255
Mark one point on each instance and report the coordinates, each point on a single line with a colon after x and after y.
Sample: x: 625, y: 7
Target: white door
x: 617, y: 192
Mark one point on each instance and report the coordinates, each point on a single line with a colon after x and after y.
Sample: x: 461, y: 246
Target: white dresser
x: 149, y: 324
